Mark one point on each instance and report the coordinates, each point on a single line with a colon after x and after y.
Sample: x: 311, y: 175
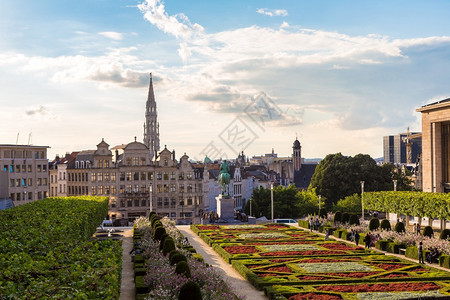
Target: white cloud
x: 117, y: 36
x: 272, y: 12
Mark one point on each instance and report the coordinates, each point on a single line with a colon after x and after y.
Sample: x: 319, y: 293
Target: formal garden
x: 291, y: 263
x: 47, y: 251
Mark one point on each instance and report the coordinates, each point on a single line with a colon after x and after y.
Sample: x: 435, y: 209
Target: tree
x: 338, y: 176
x: 350, y: 204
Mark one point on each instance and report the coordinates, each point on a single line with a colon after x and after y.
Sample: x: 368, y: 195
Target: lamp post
x: 150, y: 188
x: 395, y: 185
x: 319, y: 202
x: 362, y: 198
x: 251, y: 207
x: 271, y: 198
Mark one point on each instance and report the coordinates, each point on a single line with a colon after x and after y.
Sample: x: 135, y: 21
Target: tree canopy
x: 338, y: 176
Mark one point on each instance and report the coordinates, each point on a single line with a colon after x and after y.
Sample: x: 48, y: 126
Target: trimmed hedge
x: 337, y: 217
x: 354, y: 220
x: 444, y: 261
x: 428, y: 231
x: 303, y: 224
x: 445, y: 234
x: 381, y: 245
x: 392, y: 247
x: 399, y: 227
x: 385, y: 225
x: 374, y: 224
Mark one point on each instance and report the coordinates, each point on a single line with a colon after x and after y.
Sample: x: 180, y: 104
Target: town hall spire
x: 151, y: 126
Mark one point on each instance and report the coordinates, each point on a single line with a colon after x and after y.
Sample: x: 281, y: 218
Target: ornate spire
x: 151, y: 127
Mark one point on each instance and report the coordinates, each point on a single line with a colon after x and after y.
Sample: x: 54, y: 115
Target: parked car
x: 285, y: 221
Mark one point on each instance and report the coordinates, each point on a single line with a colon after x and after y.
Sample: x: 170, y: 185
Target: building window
x: 82, y: 164
x: 100, y: 190
x: 94, y: 177
x: 30, y: 181
x: 159, y: 188
x: 172, y: 175
x: 122, y: 176
x: 143, y: 176
x: 189, y: 201
x: 39, y: 195
x: 24, y: 168
x: 143, y: 203
x: 166, y: 202
x: 143, y: 161
x: 189, y: 188
x: 113, y: 176
x: 30, y: 196
x: 77, y: 164
x: 128, y: 161
x: 189, y: 175
x: 44, y: 168
x: 113, y: 190
x: 129, y: 203
x: 135, y: 161
x: 158, y: 176
x: 100, y: 163
x: 136, y: 202
x: 166, y: 188
x: 159, y: 202
x: 181, y: 176
x: 172, y: 203
x: 100, y: 177
x: 149, y: 175
x: 136, y: 176
x: 128, y: 176
x: 44, y: 181
x: 106, y: 163
x: 122, y: 203
x: 166, y: 176
x: 106, y: 176
x: 166, y: 162
x: 94, y: 190
x: 173, y: 188
x: 121, y: 189
x: 181, y: 188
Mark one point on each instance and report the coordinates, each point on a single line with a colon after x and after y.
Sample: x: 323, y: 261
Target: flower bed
x: 304, y: 266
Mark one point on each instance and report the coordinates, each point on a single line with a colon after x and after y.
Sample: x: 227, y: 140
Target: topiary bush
x: 172, y: 253
x: 385, y: 225
x: 354, y: 220
x: 428, y: 231
x: 337, y: 217
x: 374, y: 224
x: 323, y: 213
x: 176, y: 258
x: 345, y: 217
x: 159, y: 231
x: 169, y: 245
x: 445, y: 234
x: 190, y: 291
x: 151, y: 215
x: 182, y: 268
x: 161, y: 243
x: 399, y: 227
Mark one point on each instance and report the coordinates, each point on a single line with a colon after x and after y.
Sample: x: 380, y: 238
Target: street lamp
x: 362, y: 198
x: 395, y: 185
x: 150, y: 190
x: 271, y: 198
x: 319, y: 202
x: 251, y: 207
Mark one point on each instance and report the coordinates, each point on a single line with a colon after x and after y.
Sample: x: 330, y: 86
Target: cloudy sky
x: 228, y: 75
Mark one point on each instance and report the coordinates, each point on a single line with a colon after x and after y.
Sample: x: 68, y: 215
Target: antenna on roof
x: 17, y: 139
x: 29, y: 138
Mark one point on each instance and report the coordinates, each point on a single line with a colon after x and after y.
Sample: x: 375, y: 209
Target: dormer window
x: 166, y: 162
x: 77, y: 164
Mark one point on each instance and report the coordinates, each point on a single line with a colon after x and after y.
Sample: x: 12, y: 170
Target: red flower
x: 339, y: 246
x: 381, y: 287
x: 240, y: 249
x: 388, y: 267
x: 310, y: 252
x: 314, y: 296
x: 208, y: 227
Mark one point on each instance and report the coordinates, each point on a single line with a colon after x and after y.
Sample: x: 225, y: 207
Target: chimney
x: 173, y: 155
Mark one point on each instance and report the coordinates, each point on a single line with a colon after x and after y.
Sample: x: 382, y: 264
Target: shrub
x: 412, y: 252
x: 172, y: 253
x: 374, y: 224
x: 392, y: 247
x: 323, y: 213
x: 169, y: 245
x: 161, y: 243
x: 337, y: 216
x: 176, y: 258
x: 350, y: 204
x: 399, y: 227
x: 444, y: 261
x: 190, y: 291
x: 381, y: 245
x: 345, y: 217
x: 428, y: 231
x: 445, y: 234
x: 182, y: 268
x: 159, y: 231
x: 141, y: 287
x: 385, y: 225
x: 354, y: 220
x: 150, y: 216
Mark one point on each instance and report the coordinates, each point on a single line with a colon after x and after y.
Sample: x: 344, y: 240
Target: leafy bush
x: 350, y: 204
x: 176, y: 258
x: 345, y: 217
x: 399, y: 227
x: 182, y: 268
x: 45, y: 248
x: 190, y: 291
x: 337, y: 217
x: 169, y: 245
x: 445, y: 234
x: 374, y: 224
x: 159, y: 231
x: 354, y: 220
x: 161, y: 242
x: 428, y: 231
x: 385, y: 225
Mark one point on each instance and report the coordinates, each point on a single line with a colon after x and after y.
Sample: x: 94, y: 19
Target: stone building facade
x: 436, y: 146
x: 26, y: 167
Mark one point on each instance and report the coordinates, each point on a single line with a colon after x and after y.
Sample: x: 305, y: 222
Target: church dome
x: 296, y: 144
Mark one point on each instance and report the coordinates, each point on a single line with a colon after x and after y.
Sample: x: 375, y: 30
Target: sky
x: 228, y: 76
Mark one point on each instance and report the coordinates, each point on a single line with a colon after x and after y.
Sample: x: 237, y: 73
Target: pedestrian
x: 368, y: 240
x: 415, y: 228
x: 311, y: 224
x: 356, y: 237
x: 352, y: 235
x: 317, y: 223
x: 327, y: 234
x: 421, y: 253
x: 418, y: 228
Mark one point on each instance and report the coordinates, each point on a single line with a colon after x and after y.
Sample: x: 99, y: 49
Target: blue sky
x: 228, y: 76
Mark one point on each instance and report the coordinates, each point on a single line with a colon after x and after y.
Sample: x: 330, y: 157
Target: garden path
x: 238, y: 283
x: 127, y: 285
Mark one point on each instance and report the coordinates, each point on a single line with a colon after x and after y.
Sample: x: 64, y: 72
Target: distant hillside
x: 313, y: 160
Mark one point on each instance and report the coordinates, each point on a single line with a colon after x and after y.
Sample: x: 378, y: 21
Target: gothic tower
x: 297, y: 155
x: 151, y: 126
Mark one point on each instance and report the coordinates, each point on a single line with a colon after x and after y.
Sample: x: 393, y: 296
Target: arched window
x: 77, y: 164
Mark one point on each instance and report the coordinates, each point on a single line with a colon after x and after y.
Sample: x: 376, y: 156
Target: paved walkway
x: 127, y: 284
x: 238, y: 283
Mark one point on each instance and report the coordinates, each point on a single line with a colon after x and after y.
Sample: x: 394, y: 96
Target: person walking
x: 327, y: 234
x: 421, y: 253
x: 356, y: 237
x: 311, y: 224
x: 368, y: 240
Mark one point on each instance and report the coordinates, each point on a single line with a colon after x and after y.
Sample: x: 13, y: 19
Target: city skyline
x: 337, y: 75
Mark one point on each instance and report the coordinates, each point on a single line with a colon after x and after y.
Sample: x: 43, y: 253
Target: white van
x: 290, y: 221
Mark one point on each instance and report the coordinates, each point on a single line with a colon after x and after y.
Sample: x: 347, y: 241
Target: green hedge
x: 444, y: 261
x: 381, y: 245
x: 45, y: 249
x: 303, y: 223
x: 392, y: 247
x: 338, y: 232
